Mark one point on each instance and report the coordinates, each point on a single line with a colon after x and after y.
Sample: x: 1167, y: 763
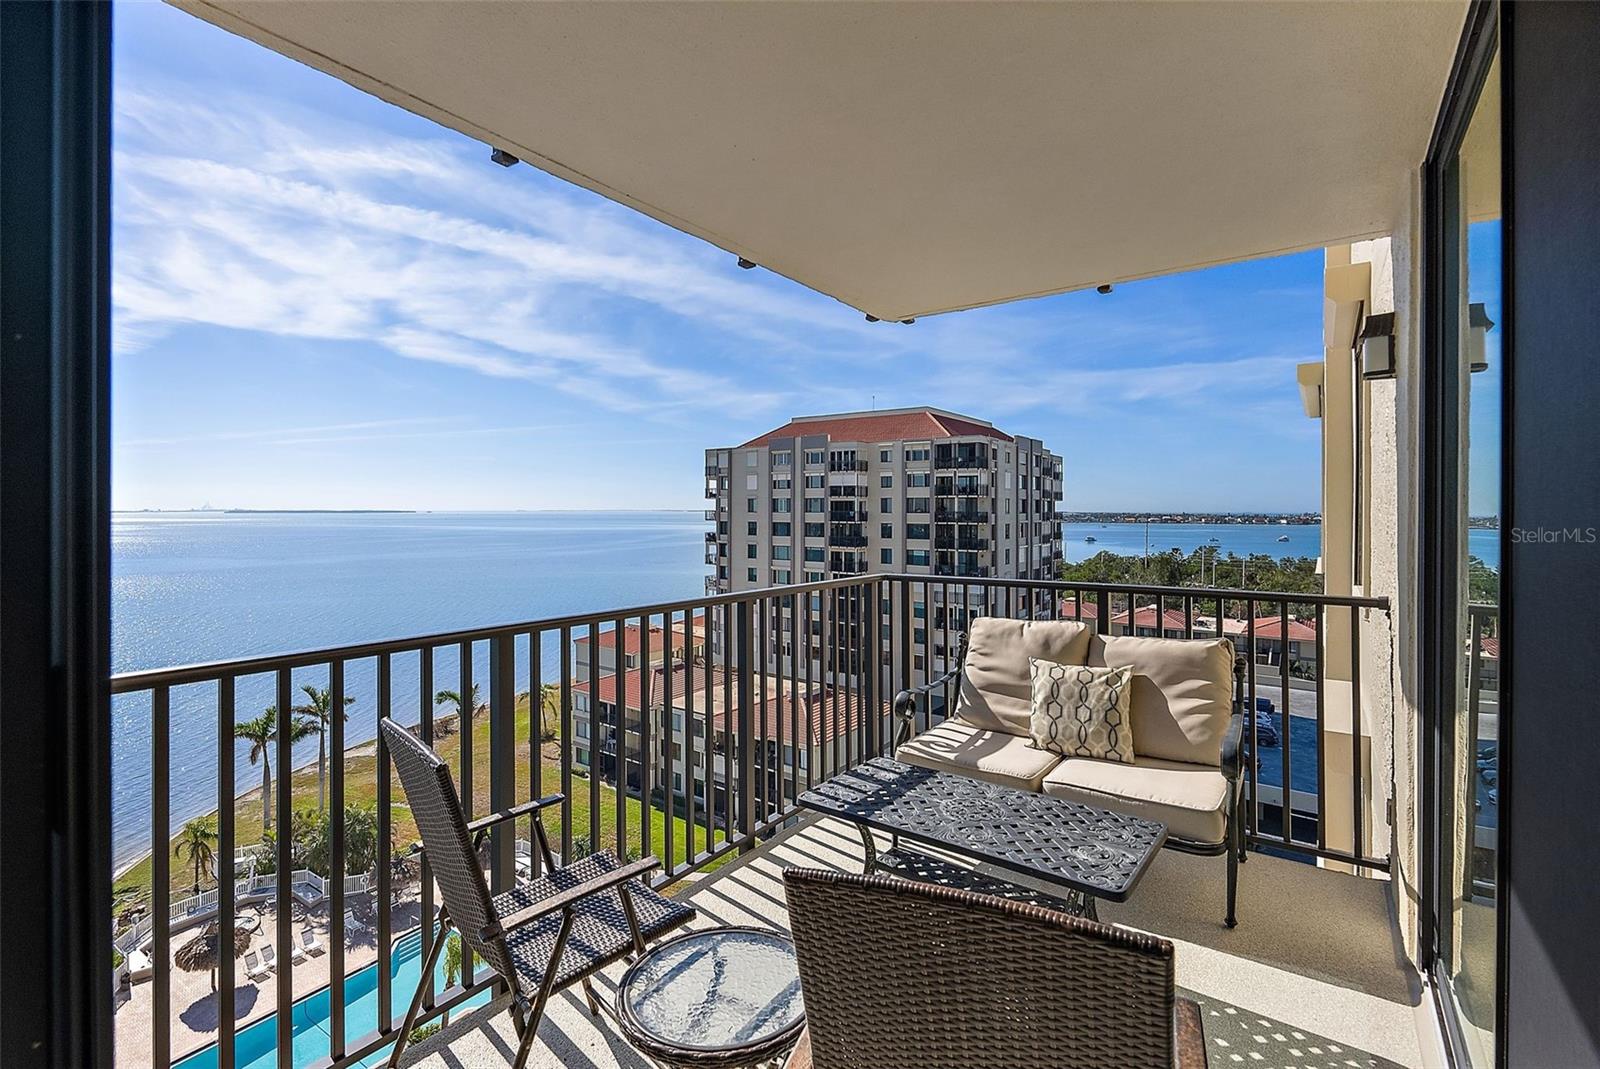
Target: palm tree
x: 452, y: 697
x: 261, y: 732
x: 318, y: 711
x: 452, y: 966
x: 195, y: 842
x: 549, y: 711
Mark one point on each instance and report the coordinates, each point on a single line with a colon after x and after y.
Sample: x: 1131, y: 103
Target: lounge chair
x: 539, y: 937
x: 351, y: 923
x: 253, y: 969
x: 309, y: 942
x: 295, y: 953
x: 898, y: 973
x: 269, y: 957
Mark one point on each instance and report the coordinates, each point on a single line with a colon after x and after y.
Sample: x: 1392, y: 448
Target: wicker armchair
x: 541, y: 936
x: 899, y: 974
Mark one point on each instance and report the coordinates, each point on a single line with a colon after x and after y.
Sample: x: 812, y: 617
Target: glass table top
x: 714, y: 990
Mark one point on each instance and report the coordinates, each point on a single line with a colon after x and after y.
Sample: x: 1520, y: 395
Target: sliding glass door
x: 1465, y: 377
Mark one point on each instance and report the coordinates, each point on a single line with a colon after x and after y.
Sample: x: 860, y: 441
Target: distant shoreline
x: 1218, y: 519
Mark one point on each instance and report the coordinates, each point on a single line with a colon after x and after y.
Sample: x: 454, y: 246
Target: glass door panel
x: 1472, y: 378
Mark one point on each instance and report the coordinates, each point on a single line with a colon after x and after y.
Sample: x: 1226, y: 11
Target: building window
x: 816, y: 554
x: 886, y: 505
x: 815, y: 530
x: 884, y: 455
x: 750, y: 482
x: 749, y: 460
x: 749, y: 504
x: 750, y: 551
x: 816, y: 482
x: 781, y: 460
x: 917, y: 530
x: 582, y: 728
x: 916, y: 454
x: 918, y: 557
x: 814, y: 577
x: 815, y: 456
x: 780, y: 577
x: 886, y: 556
x: 780, y: 552
x: 780, y: 529
x: 781, y: 504
x: 886, y: 530
x: 750, y: 575
x: 886, y: 481
x: 750, y: 528
x: 781, y: 484
x: 816, y: 504
x: 917, y: 505
x: 919, y: 478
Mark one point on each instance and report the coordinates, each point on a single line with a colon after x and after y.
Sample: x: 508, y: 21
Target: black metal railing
x: 812, y: 663
x: 759, y: 701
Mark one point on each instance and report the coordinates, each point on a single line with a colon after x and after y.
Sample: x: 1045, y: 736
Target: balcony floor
x: 1311, y: 977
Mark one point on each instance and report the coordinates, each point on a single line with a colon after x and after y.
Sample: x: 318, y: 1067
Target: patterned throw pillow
x: 1081, y: 711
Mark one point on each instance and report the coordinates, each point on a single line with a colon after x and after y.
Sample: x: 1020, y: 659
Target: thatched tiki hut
x: 200, y: 953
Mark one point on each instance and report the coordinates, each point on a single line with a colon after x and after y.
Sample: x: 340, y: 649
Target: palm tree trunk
x: 266, y: 796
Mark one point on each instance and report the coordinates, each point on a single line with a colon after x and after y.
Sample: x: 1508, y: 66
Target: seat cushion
x: 1191, y: 800
x: 967, y: 750
x: 1182, y: 693
x: 996, y: 687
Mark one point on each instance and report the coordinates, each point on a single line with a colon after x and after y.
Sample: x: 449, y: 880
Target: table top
x: 1088, y: 849
x: 715, y: 992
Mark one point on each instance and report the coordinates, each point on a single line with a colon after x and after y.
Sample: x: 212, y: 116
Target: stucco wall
x: 1390, y: 668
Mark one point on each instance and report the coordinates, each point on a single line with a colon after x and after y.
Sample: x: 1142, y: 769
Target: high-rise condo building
x: 910, y: 490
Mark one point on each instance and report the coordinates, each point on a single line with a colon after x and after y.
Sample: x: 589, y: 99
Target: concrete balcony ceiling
x: 913, y: 159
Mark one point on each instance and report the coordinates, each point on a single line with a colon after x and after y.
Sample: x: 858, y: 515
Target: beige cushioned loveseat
x: 1183, y: 713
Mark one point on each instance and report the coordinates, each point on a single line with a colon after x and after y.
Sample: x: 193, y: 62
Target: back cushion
x: 1182, y: 693
x: 996, y: 687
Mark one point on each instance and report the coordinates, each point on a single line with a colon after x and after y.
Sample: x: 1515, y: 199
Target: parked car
x: 1266, y: 728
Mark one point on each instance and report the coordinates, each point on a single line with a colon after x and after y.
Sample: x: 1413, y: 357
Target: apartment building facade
x: 920, y: 491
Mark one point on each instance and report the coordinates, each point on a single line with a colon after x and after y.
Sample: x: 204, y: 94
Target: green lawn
x: 361, y: 789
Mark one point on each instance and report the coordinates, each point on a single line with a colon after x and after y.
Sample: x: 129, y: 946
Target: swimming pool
x: 256, y: 1047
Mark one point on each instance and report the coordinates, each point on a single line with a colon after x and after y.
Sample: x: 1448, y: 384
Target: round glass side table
x: 721, y: 998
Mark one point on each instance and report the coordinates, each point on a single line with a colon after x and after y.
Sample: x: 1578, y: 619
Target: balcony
x: 1346, y: 991
x: 948, y: 515
x: 848, y: 465
x: 946, y: 541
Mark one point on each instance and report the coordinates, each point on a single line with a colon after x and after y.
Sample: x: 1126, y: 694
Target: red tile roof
x: 608, y: 637
x: 819, y: 713
x: 872, y: 427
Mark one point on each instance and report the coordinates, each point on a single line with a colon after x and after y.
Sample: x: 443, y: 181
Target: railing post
x: 745, y: 737
x: 1103, y: 611
x: 502, y: 759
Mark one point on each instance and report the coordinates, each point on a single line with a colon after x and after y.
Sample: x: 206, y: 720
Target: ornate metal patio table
x: 719, y: 998
x: 1092, y: 853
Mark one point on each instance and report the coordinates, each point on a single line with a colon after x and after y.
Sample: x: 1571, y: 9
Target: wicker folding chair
x: 897, y: 973
x: 542, y: 936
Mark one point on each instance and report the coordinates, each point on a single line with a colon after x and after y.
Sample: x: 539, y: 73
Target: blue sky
x: 322, y: 301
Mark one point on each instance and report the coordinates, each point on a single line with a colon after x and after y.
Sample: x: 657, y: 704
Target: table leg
x: 870, y: 863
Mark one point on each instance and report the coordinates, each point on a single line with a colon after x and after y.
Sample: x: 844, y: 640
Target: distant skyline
x: 322, y: 302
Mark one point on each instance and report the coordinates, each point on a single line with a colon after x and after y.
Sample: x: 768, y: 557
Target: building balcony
x: 848, y: 465
x: 949, y: 515
x: 945, y: 541
x: 718, y: 513
x: 1273, y: 972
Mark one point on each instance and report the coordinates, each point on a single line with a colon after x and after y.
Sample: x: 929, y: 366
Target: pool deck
x: 194, y: 1004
